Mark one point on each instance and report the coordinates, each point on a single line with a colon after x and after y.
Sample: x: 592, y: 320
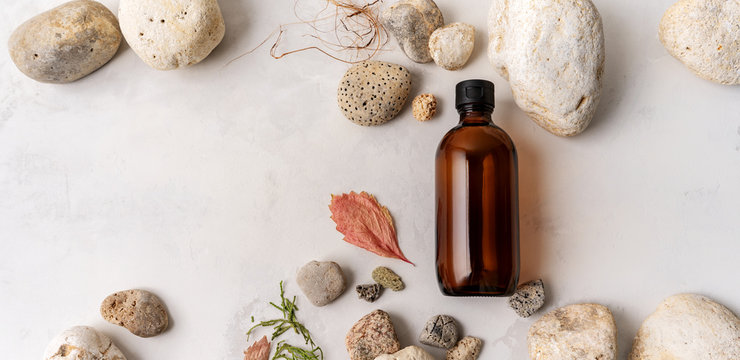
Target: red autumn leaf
x: 365, y: 223
x: 260, y: 350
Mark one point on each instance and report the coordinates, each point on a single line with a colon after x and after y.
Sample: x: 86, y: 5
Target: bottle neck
x: 475, y: 116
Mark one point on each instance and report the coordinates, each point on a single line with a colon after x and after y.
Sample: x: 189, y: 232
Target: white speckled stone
x: 581, y: 331
x: 705, y: 36
x: 65, y: 43
x: 688, y: 327
x: 552, y: 53
x: 82, y: 343
x: 170, y: 34
x: 407, y: 353
x: 452, y: 45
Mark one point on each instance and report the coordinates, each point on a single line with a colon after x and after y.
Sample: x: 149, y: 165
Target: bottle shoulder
x: 476, y: 138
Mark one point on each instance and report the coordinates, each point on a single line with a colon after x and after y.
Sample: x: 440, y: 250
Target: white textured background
x: 210, y: 185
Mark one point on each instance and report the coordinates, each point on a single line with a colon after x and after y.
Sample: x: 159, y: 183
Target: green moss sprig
x: 288, y: 322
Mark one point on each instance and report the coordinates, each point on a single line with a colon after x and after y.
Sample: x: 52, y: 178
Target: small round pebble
x: 387, y: 278
x: 424, y: 107
x: 369, y: 292
x: 528, y: 298
x: 373, y: 92
x: 468, y: 348
x: 452, y: 45
x: 65, y: 43
x: 440, y: 331
x: 139, y: 311
x: 82, y: 343
x: 321, y: 282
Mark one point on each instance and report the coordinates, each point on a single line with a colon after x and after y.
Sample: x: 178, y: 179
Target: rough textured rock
x: 452, y: 45
x: 139, y: 311
x: 705, y: 36
x: 439, y: 331
x: 321, y: 282
x: 369, y: 292
x: 688, y: 327
x: 412, y: 22
x: 424, y: 107
x: 528, y: 298
x: 65, y: 43
x: 552, y: 53
x: 407, y: 353
x: 82, y: 343
x: 581, y: 331
x: 373, y: 92
x: 387, y: 278
x: 468, y: 348
x: 372, y: 336
x: 171, y: 34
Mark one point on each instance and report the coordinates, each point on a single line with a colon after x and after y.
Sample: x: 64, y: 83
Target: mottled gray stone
x: 468, y: 348
x: 369, y: 292
x: 412, y: 22
x: 65, y: 43
x: 440, y: 331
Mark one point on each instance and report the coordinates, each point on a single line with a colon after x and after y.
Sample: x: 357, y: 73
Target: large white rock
x: 552, y: 53
x: 581, y: 331
x: 82, y: 343
x: 170, y: 34
x: 407, y: 353
x: 705, y: 36
x: 688, y: 327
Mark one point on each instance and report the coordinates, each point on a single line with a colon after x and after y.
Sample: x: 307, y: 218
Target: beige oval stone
x: 552, y: 53
x: 82, y: 343
x: 452, y: 45
x: 65, y: 43
x: 373, y: 92
x: 139, y: 311
x: 580, y: 331
x: 171, y: 34
x: 688, y: 327
x: 705, y: 36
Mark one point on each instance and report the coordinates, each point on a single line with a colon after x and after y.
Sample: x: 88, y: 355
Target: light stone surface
x: 552, y: 53
x: 82, y: 343
x: 321, y: 281
x: 705, y: 36
x: 440, y: 331
x: 688, y: 326
x: 580, y: 331
x: 528, y: 298
x: 171, y: 34
x: 412, y: 22
x: 451, y: 45
x: 407, y: 353
x: 210, y: 185
x: 65, y: 43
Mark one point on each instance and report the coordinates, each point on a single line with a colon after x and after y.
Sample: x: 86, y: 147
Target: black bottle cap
x: 474, y: 94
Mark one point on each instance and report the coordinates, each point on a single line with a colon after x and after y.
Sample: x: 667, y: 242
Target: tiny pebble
x: 528, y: 298
x: 424, y: 107
x: 388, y: 279
x: 369, y: 292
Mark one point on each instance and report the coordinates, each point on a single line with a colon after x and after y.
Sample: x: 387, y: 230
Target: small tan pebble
x: 424, y: 107
x: 468, y: 348
x: 139, y: 311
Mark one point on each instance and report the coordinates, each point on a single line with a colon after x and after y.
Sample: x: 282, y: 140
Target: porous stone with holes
x: 139, y: 311
x: 373, y: 92
x: 171, y: 34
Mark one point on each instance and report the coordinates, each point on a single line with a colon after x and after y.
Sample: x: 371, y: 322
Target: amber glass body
x: 477, y: 209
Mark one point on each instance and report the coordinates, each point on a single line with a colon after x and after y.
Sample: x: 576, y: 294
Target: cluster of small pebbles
x: 139, y: 311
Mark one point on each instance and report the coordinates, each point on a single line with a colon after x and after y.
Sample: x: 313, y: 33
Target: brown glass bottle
x: 477, y: 200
